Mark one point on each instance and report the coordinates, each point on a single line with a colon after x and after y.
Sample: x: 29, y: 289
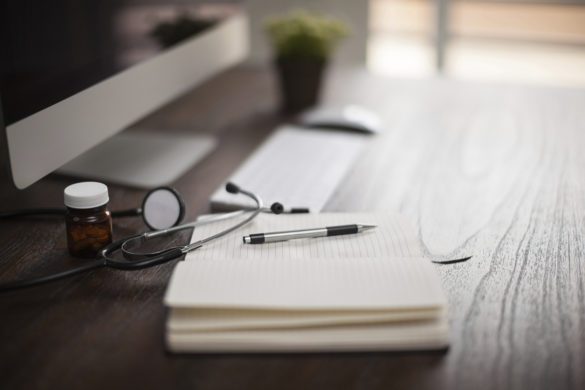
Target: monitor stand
x: 140, y: 158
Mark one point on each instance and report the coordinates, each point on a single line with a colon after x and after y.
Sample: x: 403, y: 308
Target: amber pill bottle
x: 89, y: 224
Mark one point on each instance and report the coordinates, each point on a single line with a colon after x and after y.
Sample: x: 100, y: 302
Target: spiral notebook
x: 360, y: 292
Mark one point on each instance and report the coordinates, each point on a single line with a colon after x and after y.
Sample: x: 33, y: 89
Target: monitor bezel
x: 121, y: 99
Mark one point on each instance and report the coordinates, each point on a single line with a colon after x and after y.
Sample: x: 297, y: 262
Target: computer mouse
x: 349, y: 117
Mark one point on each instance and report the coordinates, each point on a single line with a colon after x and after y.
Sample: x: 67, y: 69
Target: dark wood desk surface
x: 493, y: 171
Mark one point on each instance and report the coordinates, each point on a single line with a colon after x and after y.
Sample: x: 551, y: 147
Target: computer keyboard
x: 298, y: 167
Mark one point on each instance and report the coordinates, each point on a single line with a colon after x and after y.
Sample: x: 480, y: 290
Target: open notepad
x: 367, y: 291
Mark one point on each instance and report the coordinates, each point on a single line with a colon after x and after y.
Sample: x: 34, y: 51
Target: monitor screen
x: 53, y: 49
x: 54, y: 52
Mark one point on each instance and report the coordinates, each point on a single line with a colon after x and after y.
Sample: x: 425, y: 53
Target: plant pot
x: 300, y: 83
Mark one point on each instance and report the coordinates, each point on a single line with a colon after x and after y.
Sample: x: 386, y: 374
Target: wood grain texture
x: 493, y: 171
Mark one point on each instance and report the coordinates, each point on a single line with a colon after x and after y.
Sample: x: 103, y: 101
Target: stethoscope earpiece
x: 277, y: 208
x: 232, y: 188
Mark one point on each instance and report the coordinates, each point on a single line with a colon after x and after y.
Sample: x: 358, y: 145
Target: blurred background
x: 528, y: 41
x: 518, y: 40
x: 534, y: 41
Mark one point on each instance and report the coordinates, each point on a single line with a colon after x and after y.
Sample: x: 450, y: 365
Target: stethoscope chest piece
x: 162, y: 208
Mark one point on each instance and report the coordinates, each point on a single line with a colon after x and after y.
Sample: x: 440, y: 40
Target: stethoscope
x: 162, y: 210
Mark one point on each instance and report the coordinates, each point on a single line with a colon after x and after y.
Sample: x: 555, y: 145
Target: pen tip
x: 367, y: 227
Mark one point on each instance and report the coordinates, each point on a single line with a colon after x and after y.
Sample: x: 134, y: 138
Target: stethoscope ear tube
x: 163, y: 257
x: 104, y: 256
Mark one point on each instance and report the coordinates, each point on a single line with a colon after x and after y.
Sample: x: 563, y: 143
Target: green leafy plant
x: 305, y: 36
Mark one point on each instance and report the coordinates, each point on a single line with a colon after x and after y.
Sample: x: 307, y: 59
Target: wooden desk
x: 493, y: 171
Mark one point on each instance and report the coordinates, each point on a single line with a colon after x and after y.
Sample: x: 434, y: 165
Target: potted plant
x: 302, y: 43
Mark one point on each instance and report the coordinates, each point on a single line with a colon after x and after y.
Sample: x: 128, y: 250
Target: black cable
x: 27, y: 212
x: 126, y: 213
x: 49, y: 278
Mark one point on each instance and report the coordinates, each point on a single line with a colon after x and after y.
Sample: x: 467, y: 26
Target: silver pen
x: 261, y: 238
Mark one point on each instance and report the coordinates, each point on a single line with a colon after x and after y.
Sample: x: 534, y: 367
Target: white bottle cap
x: 86, y: 195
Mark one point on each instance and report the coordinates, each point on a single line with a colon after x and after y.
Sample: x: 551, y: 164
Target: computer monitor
x: 75, y: 73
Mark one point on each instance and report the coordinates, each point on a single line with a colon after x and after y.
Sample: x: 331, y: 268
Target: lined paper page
x: 306, y: 284
x: 393, y: 238
x: 297, y: 167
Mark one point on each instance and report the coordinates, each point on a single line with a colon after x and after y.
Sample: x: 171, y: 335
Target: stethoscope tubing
x: 49, y: 278
x: 104, y: 258
x: 123, y: 244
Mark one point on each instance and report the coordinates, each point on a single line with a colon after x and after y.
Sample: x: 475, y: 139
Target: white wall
x: 352, y: 50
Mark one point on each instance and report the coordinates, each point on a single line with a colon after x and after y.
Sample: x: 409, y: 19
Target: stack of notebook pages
x: 361, y: 292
